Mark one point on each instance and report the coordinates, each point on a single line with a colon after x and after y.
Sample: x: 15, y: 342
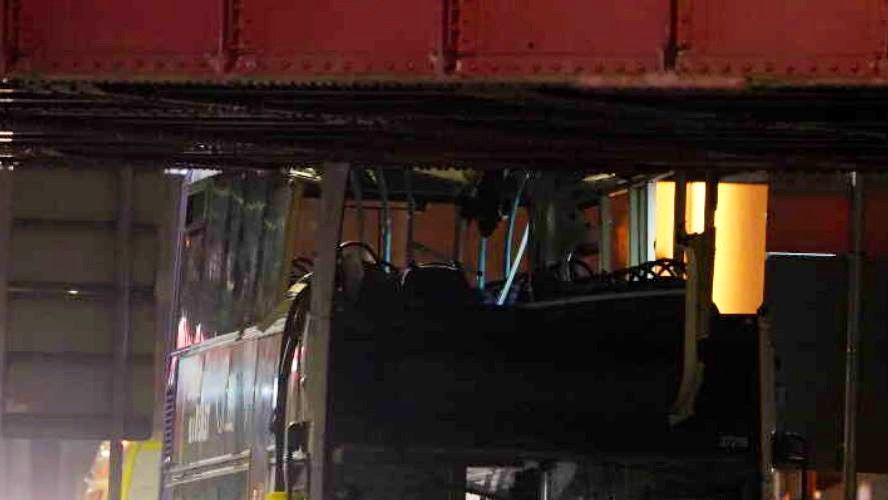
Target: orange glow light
x: 740, y: 220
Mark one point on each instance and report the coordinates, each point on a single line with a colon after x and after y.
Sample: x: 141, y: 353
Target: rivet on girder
x: 747, y: 68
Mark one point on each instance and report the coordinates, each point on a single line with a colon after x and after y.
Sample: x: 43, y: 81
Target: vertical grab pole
x: 411, y: 213
x: 852, y: 345
x: 385, y: 220
x: 333, y: 186
x: 482, y: 263
x: 359, y: 201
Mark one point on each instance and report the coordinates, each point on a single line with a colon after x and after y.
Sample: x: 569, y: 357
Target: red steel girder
x: 114, y: 39
x: 317, y: 38
x: 565, y: 39
x: 589, y: 42
x: 786, y: 39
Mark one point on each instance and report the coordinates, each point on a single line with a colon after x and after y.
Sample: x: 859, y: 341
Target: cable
x: 510, y: 233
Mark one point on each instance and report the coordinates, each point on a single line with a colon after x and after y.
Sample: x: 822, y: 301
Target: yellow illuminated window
x: 740, y: 221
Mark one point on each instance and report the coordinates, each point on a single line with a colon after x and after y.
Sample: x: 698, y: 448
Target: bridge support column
x: 333, y: 186
x: 855, y: 264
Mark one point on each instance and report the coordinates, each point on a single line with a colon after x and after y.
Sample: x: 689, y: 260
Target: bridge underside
x: 625, y: 131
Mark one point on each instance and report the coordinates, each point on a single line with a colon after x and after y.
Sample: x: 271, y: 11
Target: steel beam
x: 333, y: 186
x: 852, y: 343
x: 122, y: 340
x: 679, y: 219
x: 643, y: 43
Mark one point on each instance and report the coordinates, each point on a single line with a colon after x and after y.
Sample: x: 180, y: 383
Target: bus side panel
x: 187, y: 402
x: 267, y: 350
x: 245, y: 353
x: 214, y: 403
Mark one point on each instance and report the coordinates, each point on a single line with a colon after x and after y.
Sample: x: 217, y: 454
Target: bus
x: 406, y: 333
